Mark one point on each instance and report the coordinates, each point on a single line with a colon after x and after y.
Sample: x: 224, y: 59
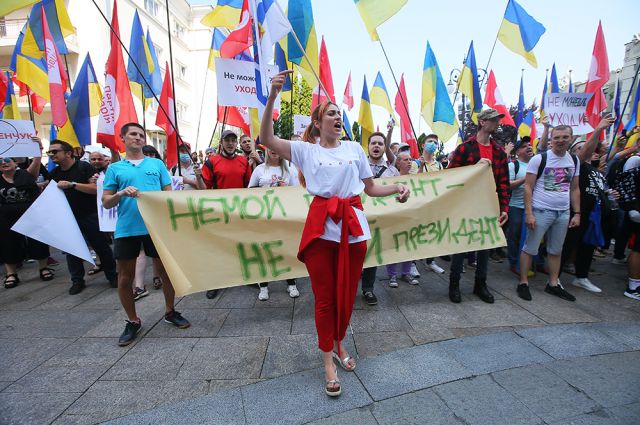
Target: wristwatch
x: 73, y: 185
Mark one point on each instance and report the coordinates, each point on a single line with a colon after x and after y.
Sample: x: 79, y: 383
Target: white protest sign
x: 50, y: 220
x: 237, y: 83
x: 568, y: 109
x: 106, y: 218
x: 15, y: 139
x: 177, y: 183
x: 300, y: 124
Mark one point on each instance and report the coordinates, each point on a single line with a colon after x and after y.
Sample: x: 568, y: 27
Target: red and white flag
x: 117, y: 107
x: 493, y: 99
x: 347, y: 99
x: 166, y: 119
x: 326, y: 79
x: 57, y: 77
x: 598, y: 77
x: 241, y: 38
x: 402, y: 108
x: 235, y: 117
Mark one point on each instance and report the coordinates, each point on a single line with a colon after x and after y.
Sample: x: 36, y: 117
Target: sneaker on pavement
x: 176, y: 319
x: 435, y: 268
x: 586, y: 284
x: 130, y: 332
x: 393, y: 282
x: 293, y: 291
x: 619, y: 261
x: 370, y: 298
x: 414, y: 271
x: 76, y: 288
x: 559, y: 291
x: 495, y: 257
x: 632, y: 293
x: 264, y: 294
x: 140, y: 293
x: 523, y: 292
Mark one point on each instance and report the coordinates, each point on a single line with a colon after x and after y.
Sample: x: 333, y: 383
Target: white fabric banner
x: 237, y: 83
x: 50, y: 220
x: 106, y: 218
x: 15, y: 139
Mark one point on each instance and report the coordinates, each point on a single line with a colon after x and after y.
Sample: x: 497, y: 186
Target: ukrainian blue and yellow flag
x: 436, y: 108
x: 519, y: 32
x: 520, y: 112
x: 8, y: 6
x: 300, y: 15
x: 555, y: 86
x: 10, y: 110
x: 375, y: 12
x: 365, y: 118
x: 156, y: 77
x: 524, y: 129
x: 545, y: 90
x: 225, y: 14
x: 468, y: 83
x: 634, y: 119
x: 29, y: 70
x: 283, y: 64
x: 58, y: 21
x: 379, y: 95
x: 140, y: 56
x: 214, y: 51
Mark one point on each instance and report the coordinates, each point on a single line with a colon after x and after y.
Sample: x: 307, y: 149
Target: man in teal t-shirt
x: 123, y: 183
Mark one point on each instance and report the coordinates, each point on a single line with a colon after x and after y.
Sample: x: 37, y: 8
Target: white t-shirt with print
x: 268, y: 176
x: 334, y: 172
x: 552, y: 190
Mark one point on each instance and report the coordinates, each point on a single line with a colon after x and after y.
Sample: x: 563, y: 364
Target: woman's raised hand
x: 277, y: 82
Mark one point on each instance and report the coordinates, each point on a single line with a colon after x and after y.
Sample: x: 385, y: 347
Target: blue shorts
x: 552, y: 223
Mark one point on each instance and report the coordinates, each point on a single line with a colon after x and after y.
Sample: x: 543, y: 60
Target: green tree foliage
x: 300, y: 105
x: 355, y: 129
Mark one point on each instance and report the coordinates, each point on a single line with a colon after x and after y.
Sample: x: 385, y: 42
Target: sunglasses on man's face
x: 54, y: 151
x: 6, y: 160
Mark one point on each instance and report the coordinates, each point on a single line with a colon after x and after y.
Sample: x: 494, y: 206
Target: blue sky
x: 450, y: 26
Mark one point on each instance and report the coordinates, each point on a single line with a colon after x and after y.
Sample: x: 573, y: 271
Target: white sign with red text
x: 237, y: 83
x: 16, y: 139
x: 568, y: 109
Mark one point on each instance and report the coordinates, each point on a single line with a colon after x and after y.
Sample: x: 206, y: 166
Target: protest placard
x: 252, y: 235
x: 16, y: 139
x: 568, y: 109
x: 107, y: 218
x: 237, y: 82
x: 300, y: 123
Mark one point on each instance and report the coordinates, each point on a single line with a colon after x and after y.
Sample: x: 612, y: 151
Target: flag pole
x: 494, y: 46
x: 144, y: 116
x: 67, y: 69
x: 624, y: 109
x: 173, y: 90
x: 134, y: 63
x: 224, y: 118
x: 204, y: 85
x: 30, y: 109
x: 404, y: 101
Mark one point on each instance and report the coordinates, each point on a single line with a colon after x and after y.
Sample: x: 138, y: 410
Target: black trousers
x: 90, y: 228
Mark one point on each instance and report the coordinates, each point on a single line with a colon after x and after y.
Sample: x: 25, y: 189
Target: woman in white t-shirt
x: 333, y: 244
x: 274, y: 172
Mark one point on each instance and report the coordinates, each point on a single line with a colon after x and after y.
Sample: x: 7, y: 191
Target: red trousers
x: 321, y: 260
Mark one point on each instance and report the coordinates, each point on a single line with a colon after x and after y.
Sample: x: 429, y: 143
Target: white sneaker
x: 435, y: 268
x: 293, y: 291
x: 413, y: 281
x: 619, y: 262
x: 414, y: 271
x: 586, y: 284
x: 393, y: 282
x: 264, y: 294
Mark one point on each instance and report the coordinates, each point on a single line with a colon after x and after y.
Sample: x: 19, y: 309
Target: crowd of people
x: 561, y: 204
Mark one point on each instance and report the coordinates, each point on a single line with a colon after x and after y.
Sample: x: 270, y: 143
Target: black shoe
x: 76, y: 288
x: 176, y: 320
x: 495, y: 257
x: 559, y: 291
x: 481, y: 290
x: 212, y: 293
x: 454, y: 292
x: 370, y: 298
x: 523, y: 292
x: 130, y: 332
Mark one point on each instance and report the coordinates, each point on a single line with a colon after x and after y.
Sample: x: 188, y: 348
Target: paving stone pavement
x: 243, y: 361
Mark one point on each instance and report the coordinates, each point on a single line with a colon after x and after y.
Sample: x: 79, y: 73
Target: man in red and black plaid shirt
x: 481, y: 148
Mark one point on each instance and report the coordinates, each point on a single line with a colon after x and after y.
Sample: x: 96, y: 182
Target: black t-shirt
x: 592, y: 188
x: 17, y: 197
x: 43, y: 173
x: 81, y: 203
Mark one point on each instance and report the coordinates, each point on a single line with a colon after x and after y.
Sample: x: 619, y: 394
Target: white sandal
x: 344, y: 363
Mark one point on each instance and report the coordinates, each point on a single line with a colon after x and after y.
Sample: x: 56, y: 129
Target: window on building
x: 181, y: 110
x: 158, y: 50
x: 178, y: 29
x: 151, y: 6
x: 181, y: 71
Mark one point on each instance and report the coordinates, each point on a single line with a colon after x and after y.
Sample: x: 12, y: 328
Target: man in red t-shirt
x: 226, y: 170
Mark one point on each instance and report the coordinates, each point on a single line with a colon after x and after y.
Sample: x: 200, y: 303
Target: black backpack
x: 543, y: 164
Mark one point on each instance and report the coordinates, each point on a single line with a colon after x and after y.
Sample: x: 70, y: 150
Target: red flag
x: 347, y: 99
x: 57, y: 77
x: 598, y: 77
x: 406, y: 132
x: 37, y: 103
x: 117, y: 104
x: 241, y: 38
x: 493, y: 99
x: 326, y: 79
x: 165, y: 120
x: 534, y: 131
x: 4, y: 85
x: 234, y: 118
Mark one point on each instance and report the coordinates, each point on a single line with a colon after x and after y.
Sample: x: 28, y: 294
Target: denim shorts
x: 552, y: 223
